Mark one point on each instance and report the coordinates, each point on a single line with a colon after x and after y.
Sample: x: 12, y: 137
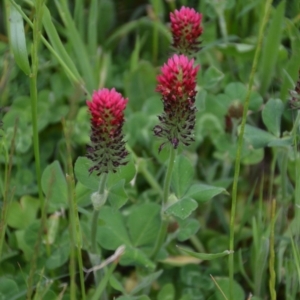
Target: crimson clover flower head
x: 186, y: 29
x: 177, y: 85
x: 107, y: 150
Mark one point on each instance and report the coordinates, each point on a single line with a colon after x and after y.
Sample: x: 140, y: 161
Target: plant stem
x: 101, y: 287
x: 295, y: 131
x: 240, y: 144
x: 34, y: 116
x: 272, y: 281
x: 166, y: 190
x: 95, y: 254
x: 74, y: 218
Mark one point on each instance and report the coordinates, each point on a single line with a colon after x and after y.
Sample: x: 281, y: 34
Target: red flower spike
x: 186, y: 30
x: 177, y: 85
x: 107, y: 117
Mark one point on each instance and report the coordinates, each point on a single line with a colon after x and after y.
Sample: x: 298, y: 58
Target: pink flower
x: 186, y: 30
x: 107, y: 117
x: 177, y: 85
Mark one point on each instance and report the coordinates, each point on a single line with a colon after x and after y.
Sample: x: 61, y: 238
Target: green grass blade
x: 57, y: 43
x: 18, y: 41
x: 93, y: 28
x: 77, y: 44
x: 271, y: 48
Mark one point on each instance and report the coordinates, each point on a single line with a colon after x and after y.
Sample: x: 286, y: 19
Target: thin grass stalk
x: 166, y: 191
x: 240, y: 143
x: 72, y: 264
x: 272, y: 280
x: 6, y: 195
x: 68, y: 71
x: 297, y: 171
x: 74, y: 218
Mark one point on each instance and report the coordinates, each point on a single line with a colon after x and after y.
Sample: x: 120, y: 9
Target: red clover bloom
x: 177, y: 83
x: 107, y: 149
x: 186, y: 30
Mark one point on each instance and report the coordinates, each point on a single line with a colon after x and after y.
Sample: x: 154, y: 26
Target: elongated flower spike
x: 107, y: 149
x: 186, y: 30
x: 177, y: 85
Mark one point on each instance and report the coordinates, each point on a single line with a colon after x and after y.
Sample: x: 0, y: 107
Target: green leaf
x: 270, y: 48
x: 167, y: 292
x: 82, y: 174
x: 22, y: 214
x: 55, y: 187
x: 256, y: 137
x: 271, y: 115
x: 116, y: 284
x: 224, y: 284
x: 212, y: 76
x: 203, y: 192
x: 113, y: 233
x: 58, y: 257
x: 144, y: 223
x: 117, y: 195
x: 136, y: 257
x: 182, y: 208
x: 182, y: 176
x: 283, y: 142
x: 126, y: 172
x: 187, y: 228
x: 146, y: 281
x: 18, y: 40
x: 206, y: 256
x: 8, y: 288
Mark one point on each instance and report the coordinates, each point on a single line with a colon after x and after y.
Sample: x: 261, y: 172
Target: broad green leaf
x: 22, y: 245
x: 253, y: 156
x: 256, y: 137
x: 117, y: 195
x: 203, y: 192
x: 167, y: 292
x: 22, y: 214
x: 144, y: 223
x: 8, y: 288
x: 187, y: 228
x: 236, y: 91
x: 33, y: 233
x: 271, y: 115
x: 182, y: 208
x: 205, y: 256
x: 126, y: 172
x: 146, y: 281
x: 270, y: 48
x: 116, y: 284
x: 55, y: 187
x: 182, y: 176
x: 113, y: 233
x: 238, y: 292
x: 82, y: 174
x: 58, y: 257
x: 18, y: 40
x: 212, y: 76
x: 283, y: 142
x: 136, y: 257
